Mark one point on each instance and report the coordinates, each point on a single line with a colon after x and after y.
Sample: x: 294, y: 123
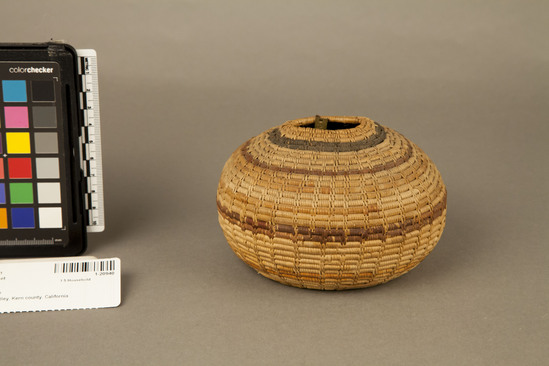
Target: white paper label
x: 59, y: 284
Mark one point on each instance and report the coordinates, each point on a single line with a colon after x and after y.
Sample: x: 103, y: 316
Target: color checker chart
x: 32, y: 178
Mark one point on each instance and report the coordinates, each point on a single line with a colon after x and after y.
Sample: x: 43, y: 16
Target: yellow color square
x: 3, y: 219
x: 18, y: 142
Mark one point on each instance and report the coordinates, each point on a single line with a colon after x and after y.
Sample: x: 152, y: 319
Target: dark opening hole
x: 332, y: 125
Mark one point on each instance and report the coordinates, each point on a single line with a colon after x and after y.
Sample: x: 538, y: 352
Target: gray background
x: 183, y: 83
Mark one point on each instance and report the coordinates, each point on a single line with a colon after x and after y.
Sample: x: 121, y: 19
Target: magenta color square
x: 16, y: 117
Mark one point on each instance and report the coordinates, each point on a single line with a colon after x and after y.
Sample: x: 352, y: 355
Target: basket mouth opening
x: 334, y: 125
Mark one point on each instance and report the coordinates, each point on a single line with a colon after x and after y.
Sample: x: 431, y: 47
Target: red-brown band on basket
x: 323, y: 235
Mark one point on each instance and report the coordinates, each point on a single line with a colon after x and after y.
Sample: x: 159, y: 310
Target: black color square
x: 42, y: 91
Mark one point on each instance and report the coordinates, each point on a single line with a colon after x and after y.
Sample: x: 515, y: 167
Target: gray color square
x: 47, y: 168
x: 44, y: 117
x: 46, y: 143
x: 49, y: 192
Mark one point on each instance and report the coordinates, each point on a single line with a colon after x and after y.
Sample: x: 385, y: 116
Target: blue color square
x: 2, y: 193
x: 14, y: 90
x: 22, y: 218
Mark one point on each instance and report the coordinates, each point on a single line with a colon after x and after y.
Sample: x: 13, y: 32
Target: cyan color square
x: 14, y: 90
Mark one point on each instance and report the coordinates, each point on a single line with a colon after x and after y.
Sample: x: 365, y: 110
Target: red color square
x: 20, y: 168
x: 1, y: 168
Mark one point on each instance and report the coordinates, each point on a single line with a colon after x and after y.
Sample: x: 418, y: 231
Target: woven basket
x: 354, y: 205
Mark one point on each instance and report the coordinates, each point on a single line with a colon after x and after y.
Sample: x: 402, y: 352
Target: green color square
x: 21, y: 193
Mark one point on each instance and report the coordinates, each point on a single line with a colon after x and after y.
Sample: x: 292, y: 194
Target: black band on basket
x: 378, y: 137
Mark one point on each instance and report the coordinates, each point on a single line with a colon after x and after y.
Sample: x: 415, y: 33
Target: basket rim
x: 298, y: 129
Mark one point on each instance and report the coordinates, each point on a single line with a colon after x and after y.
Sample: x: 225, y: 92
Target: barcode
x: 96, y: 266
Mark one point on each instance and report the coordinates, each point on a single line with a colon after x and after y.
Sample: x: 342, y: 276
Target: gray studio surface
x: 183, y: 84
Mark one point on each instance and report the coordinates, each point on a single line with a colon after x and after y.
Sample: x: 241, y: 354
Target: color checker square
x: 50, y: 217
x: 19, y: 168
x: 14, y: 90
x: 45, y: 143
x: 2, y: 193
x: 44, y: 117
x: 18, y: 142
x: 47, y: 168
x: 22, y: 218
x: 3, y: 218
x: 42, y: 91
x: 21, y: 193
x: 49, y: 192
x: 16, y: 117
x: 1, y: 168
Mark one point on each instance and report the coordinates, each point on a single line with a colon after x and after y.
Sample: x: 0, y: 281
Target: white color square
x: 50, y: 217
x: 49, y: 192
x: 47, y: 168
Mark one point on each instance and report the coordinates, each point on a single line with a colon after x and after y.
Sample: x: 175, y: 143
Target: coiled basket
x: 353, y: 205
